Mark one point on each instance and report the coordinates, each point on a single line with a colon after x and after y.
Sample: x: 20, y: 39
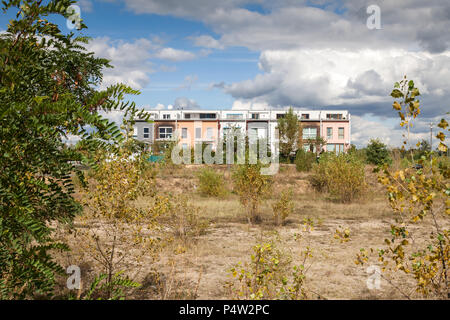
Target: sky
x: 312, y: 54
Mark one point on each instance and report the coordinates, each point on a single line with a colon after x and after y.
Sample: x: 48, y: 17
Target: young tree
x: 48, y: 93
x: 251, y: 186
x: 377, y: 152
x: 419, y: 199
x: 288, y: 128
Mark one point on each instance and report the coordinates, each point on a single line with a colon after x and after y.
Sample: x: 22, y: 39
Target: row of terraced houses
x: 208, y: 126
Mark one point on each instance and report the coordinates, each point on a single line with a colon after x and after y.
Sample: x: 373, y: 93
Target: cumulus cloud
x: 359, y: 80
x: 131, y: 69
x: 185, y: 103
x: 189, y: 80
x: 134, y: 69
x: 249, y: 105
x: 207, y: 42
x: 175, y: 55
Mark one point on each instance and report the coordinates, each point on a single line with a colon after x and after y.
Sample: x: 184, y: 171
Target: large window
x: 309, y: 133
x: 329, y: 133
x: 207, y: 115
x: 334, y: 116
x: 146, y: 133
x: 305, y: 116
x: 165, y: 132
x: 255, y: 116
x: 335, y: 147
x: 166, y: 116
x: 184, y: 133
x: 209, y: 133
x: 281, y: 115
x: 341, y: 133
x: 198, y: 133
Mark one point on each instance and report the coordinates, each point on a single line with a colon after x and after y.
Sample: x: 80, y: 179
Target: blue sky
x: 315, y: 54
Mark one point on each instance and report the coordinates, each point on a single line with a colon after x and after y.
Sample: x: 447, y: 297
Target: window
x: 187, y: 115
x: 255, y: 116
x: 341, y: 133
x: 146, y: 133
x: 305, y: 116
x: 309, y: 148
x: 335, y: 147
x: 234, y: 116
x: 166, y: 116
x: 209, y: 133
x: 165, y: 132
x: 334, y: 116
x: 207, y: 115
x: 184, y: 133
x: 329, y: 133
x: 184, y: 146
x: 280, y: 115
x: 198, y: 133
x: 309, y: 133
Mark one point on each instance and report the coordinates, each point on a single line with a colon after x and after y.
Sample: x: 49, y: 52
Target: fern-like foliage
x: 48, y: 92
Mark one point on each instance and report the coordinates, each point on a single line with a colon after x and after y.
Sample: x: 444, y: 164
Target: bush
x: 211, y: 183
x: 267, y: 276
x: 283, y: 207
x: 304, y: 160
x: 377, y: 153
x: 342, y: 176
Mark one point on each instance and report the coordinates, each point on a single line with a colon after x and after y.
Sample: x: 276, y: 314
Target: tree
x: 288, y: 129
x: 48, y: 92
x: 377, y: 152
x: 251, y: 186
x: 419, y: 199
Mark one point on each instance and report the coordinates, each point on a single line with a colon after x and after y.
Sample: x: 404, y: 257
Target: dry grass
x: 200, y: 270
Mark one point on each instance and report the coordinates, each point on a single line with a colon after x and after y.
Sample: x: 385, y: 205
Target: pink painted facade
x: 337, y: 135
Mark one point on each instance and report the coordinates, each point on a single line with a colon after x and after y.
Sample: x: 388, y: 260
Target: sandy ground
x: 201, y: 270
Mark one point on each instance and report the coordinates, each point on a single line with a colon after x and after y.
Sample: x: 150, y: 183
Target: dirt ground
x: 201, y: 269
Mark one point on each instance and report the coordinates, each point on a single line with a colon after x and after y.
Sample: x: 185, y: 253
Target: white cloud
x: 207, y: 42
x: 364, y: 129
x: 175, y: 55
x: 354, y: 79
x: 185, y: 103
x: 249, y: 105
x: 189, y: 80
x: 131, y: 69
x: 85, y: 6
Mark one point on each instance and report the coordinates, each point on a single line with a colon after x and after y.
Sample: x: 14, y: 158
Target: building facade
x: 190, y: 127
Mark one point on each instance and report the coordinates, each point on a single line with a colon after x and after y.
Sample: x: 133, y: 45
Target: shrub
x: 112, y: 220
x: 342, y: 176
x: 267, y: 276
x: 377, y: 153
x: 183, y: 218
x: 283, y: 207
x: 251, y: 186
x: 304, y: 160
x: 211, y: 183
